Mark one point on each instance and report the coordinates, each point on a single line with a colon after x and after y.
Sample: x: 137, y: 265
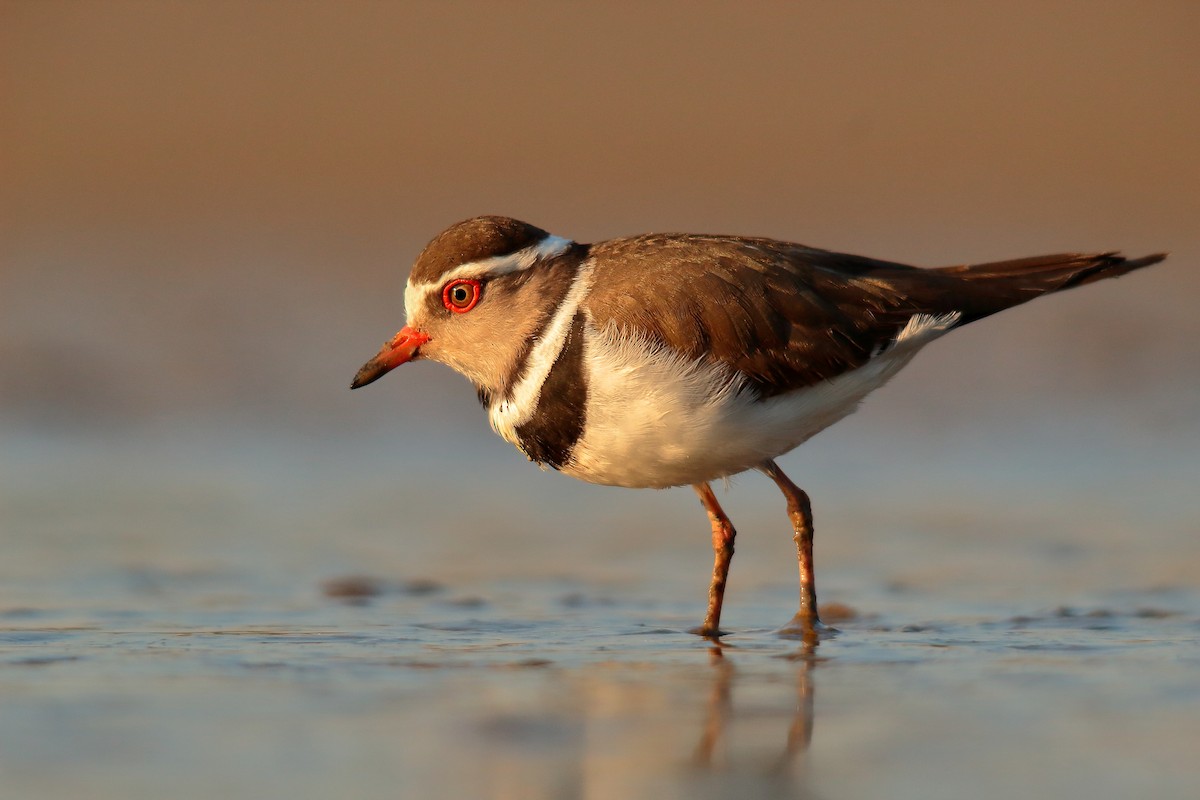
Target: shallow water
x: 182, y: 616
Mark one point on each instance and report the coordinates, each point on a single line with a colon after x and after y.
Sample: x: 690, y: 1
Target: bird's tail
x: 988, y: 288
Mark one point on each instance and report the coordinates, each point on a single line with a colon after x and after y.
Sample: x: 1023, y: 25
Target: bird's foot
x: 708, y: 632
x: 806, y: 627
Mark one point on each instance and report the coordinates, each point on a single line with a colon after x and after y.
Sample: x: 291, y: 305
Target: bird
x: 674, y: 359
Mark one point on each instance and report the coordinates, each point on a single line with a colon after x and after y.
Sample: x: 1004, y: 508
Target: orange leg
x: 806, y: 623
x: 722, y: 539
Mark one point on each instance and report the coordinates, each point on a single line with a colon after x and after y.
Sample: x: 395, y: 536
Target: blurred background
x: 209, y: 210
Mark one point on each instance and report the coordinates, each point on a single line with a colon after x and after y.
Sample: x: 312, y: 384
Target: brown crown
x: 473, y: 240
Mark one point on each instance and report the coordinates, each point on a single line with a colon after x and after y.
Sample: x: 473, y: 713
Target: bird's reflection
x: 719, y: 703
x: 800, y: 732
x: 720, y: 708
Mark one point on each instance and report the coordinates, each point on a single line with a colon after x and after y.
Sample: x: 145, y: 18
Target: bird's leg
x: 722, y: 539
x: 806, y: 623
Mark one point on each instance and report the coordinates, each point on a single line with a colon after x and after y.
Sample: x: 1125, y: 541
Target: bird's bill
x: 402, y: 347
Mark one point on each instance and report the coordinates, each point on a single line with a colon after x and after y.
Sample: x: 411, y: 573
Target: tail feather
x: 989, y: 288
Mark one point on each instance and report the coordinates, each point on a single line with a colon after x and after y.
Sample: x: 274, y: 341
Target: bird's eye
x: 460, y: 296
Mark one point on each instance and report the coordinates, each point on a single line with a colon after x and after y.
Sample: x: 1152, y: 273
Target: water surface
x: 252, y: 615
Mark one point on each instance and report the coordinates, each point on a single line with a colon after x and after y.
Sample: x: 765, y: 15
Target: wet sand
x: 240, y: 622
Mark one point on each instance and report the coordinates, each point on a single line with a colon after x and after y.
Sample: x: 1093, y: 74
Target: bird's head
x: 475, y: 297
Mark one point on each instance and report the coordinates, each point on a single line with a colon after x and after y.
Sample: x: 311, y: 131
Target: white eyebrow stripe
x: 414, y: 295
x: 495, y: 266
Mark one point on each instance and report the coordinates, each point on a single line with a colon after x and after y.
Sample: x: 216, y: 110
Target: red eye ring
x: 461, y: 295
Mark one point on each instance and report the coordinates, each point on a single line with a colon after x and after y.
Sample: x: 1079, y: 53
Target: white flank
x: 656, y: 419
x: 924, y: 328
x: 508, y: 415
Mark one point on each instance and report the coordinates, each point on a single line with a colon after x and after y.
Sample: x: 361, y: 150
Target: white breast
x: 656, y: 419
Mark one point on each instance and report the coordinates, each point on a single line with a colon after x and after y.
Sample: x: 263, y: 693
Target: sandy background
x: 209, y: 209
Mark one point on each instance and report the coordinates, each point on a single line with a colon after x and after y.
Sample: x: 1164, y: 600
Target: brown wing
x: 788, y: 316
x: 783, y: 315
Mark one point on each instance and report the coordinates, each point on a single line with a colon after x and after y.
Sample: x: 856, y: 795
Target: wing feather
x: 787, y: 316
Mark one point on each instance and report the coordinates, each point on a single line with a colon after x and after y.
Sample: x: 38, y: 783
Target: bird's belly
x: 649, y: 447
x: 655, y: 419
